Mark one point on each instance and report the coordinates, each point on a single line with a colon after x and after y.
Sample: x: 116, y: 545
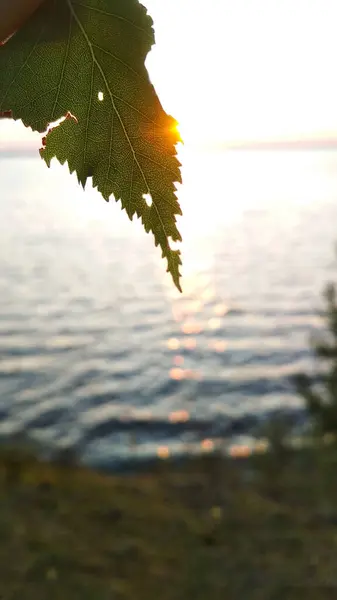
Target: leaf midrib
x: 95, y: 61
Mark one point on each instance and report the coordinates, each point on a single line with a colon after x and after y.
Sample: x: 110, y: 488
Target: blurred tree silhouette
x: 321, y: 398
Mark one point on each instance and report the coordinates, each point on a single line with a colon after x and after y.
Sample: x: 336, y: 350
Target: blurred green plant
x: 321, y: 397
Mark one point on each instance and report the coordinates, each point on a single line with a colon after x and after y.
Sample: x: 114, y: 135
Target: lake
x: 99, y: 352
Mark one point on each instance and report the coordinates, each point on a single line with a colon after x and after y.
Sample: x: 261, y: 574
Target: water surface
x: 97, y: 348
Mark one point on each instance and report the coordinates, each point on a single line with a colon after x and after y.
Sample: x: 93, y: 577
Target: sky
x: 247, y: 69
x: 237, y: 70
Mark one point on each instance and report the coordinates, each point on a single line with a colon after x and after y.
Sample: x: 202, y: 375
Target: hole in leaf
x: 148, y: 199
x: 100, y: 96
x: 174, y: 245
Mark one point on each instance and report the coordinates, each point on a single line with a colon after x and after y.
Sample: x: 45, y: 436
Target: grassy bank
x: 256, y: 528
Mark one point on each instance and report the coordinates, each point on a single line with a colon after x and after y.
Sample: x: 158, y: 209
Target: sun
x: 175, y: 130
x: 193, y: 131
x: 185, y: 131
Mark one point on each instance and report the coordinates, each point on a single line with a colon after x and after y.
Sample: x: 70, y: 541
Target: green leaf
x: 86, y: 60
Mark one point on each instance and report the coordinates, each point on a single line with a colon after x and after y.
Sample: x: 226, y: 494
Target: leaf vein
x: 33, y: 100
x: 66, y: 54
x: 85, y: 145
x: 116, y: 58
x: 134, y: 108
x: 131, y: 184
x: 155, y: 162
x: 25, y: 62
x: 114, y: 16
x: 110, y: 146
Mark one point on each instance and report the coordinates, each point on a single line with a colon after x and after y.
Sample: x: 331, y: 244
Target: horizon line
x: 323, y: 143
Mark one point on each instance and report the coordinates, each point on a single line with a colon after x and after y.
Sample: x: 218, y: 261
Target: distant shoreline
x: 283, y: 145
x: 30, y: 150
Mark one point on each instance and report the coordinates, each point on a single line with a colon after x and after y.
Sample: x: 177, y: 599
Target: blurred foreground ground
x: 211, y: 528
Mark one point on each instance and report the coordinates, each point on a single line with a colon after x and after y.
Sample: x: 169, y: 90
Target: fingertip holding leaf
x: 91, y: 79
x: 13, y: 14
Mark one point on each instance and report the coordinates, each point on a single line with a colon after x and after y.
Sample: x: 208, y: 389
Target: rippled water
x: 99, y: 351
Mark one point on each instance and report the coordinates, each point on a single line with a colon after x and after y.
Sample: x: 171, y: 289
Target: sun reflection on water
x: 207, y: 445
x: 179, y: 416
x: 189, y: 343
